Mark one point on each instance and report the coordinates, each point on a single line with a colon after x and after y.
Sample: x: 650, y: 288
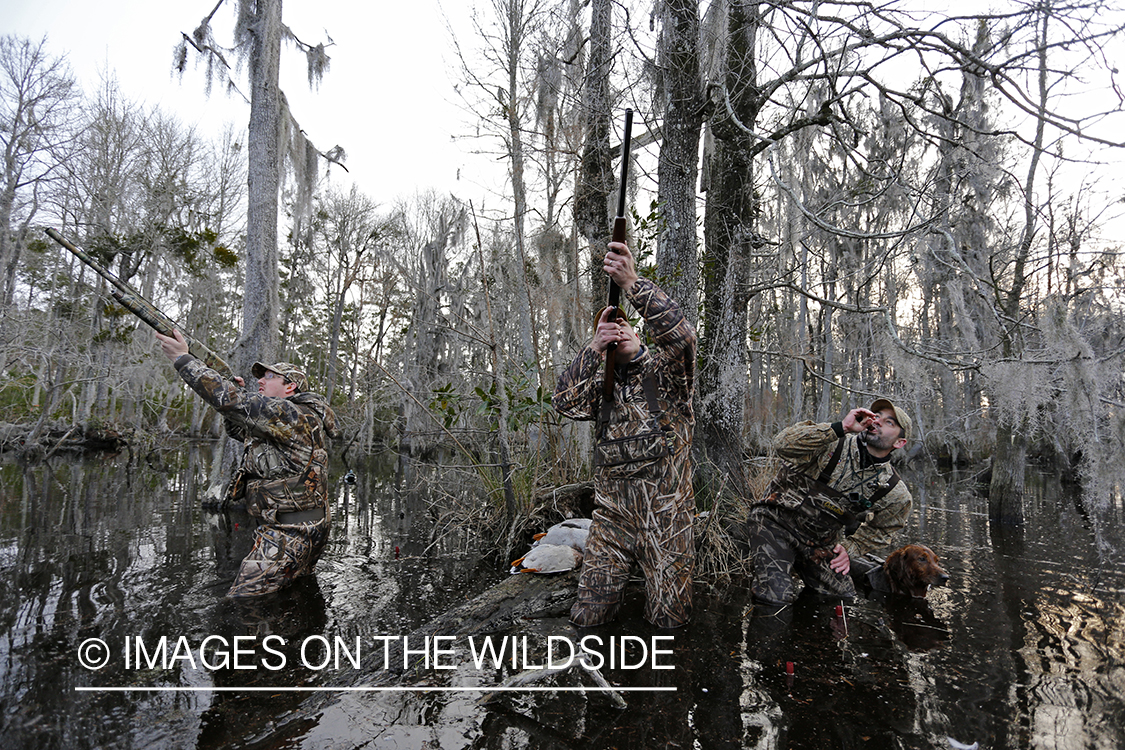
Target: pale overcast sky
x: 387, y: 98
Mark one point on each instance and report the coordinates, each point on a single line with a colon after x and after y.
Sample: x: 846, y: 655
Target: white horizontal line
x: 299, y: 689
x: 928, y: 508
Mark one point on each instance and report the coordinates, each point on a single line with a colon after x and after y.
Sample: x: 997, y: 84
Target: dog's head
x: 913, y: 569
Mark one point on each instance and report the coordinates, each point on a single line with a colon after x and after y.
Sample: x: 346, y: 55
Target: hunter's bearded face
x: 884, y: 434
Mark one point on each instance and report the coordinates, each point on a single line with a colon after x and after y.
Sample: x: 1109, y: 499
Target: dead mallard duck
x: 572, y: 532
x: 548, y: 558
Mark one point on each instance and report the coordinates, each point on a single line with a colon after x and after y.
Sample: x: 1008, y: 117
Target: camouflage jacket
x: 808, y: 448
x: 286, y: 439
x: 670, y: 362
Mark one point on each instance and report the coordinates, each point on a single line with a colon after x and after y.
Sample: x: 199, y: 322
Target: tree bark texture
x: 259, y: 339
x: 731, y: 218
x: 677, y: 258
x: 1009, y: 465
x: 592, y: 211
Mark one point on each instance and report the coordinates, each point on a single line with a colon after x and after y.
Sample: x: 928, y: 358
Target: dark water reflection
x: 1023, y: 649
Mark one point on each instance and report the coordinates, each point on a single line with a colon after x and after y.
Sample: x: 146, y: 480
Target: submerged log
x: 56, y: 438
x: 502, y: 606
x: 496, y: 610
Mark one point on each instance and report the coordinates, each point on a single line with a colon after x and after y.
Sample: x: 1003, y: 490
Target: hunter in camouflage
x: 836, y: 496
x: 643, y: 472
x: 283, y: 479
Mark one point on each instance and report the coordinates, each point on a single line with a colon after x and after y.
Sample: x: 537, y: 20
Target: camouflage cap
x: 287, y: 370
x: 901, y: 416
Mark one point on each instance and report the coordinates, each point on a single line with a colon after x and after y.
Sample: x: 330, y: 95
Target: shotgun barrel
x: 134, y: 302
x: 618, y: 236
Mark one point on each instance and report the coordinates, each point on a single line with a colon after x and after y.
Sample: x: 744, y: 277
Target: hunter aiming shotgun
x: 618, y: 236
x: 134, y: 302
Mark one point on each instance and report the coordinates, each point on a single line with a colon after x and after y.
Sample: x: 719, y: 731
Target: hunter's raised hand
x: 859, y: 420
x: 607, y: 332
x: 173, y: 346
x: 618, y: 332
x: 618, y: 265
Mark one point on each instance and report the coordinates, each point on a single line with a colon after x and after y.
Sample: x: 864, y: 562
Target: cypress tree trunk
x: 259, y: 340
x: 9, y: 247
x: 732, y: 211
x: 1005, y: 492
x: 334, y: 339
x: 514, y: 43
x: 723, y: 355
x: 595, y: 177
x: 677, y: 263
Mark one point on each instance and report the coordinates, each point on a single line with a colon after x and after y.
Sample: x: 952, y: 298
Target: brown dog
x: 909, y: 571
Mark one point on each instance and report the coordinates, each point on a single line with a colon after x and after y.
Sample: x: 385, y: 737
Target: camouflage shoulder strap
x: 832, y: 462
x: 830, y: 467
x: 882, y: 492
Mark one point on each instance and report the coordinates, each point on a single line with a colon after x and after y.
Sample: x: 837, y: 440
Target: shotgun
x: 618, y: 236
x: 134, y: 302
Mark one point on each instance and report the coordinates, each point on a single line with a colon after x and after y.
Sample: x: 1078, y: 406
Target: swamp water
x: 1023, y: 649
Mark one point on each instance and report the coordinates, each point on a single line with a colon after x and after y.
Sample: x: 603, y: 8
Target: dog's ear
x: 898, y: 572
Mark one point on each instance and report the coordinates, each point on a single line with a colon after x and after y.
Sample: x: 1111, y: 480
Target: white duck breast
x: 548, y: 558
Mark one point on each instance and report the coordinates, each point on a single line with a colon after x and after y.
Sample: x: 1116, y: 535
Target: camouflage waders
x: 642, y: 475
x: 283, y: 478
x: 644, y: 516
x: 795, y: 529
x: 654, y: 533
x: 295, y: 519
x: 280, y: 555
